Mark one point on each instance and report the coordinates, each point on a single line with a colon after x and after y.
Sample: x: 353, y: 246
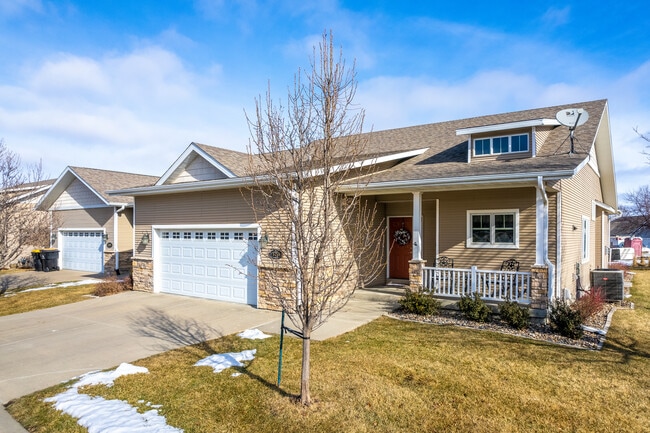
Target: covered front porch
x: 429, y: 244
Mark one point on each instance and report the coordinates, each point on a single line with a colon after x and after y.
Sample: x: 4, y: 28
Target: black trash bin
x: 36, y: 260
x: 50, y: 259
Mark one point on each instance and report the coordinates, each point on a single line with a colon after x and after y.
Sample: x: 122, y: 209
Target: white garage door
x: 216, y: 264
x: 82, y: 250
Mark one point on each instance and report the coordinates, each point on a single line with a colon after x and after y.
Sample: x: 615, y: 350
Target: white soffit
x: 506, y: 126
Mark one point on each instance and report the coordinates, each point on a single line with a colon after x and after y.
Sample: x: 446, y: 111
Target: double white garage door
x: 217, y: 264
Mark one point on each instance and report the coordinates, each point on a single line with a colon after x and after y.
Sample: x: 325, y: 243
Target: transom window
x: 500, y: 145
x: 493, y: 229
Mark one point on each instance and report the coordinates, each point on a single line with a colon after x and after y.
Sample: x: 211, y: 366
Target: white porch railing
x: 491, y: 285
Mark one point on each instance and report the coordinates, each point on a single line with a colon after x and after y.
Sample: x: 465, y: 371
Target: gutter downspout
x: 116, y: 238
x: 544, y: 226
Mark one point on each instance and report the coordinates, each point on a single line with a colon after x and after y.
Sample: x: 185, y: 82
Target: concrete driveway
x: 45, y: 347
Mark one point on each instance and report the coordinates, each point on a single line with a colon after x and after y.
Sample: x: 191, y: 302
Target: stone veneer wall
x: 142, y: 274
x: 415, y: 274
x: 124, y: 266
x: 109, y: 264
x: 267, y: 298
x: 126, y: 258
x: 539, y: 292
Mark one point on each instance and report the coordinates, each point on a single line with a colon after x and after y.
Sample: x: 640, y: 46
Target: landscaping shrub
x: 420, y: 303
x: 473, y: 308
x: 514, y: 315
x: 111, y: 286
x: 590, y: 303
x: 565, y: 320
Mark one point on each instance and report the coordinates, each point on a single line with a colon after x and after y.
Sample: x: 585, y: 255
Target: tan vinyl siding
x: 91, y: 219
x: 77, y: 195
x: 453, y: 226
x: 125, y: 228
x: 208, y: 207
x: 578, y: 194
x: 196, y: 170
x: 541, y: 135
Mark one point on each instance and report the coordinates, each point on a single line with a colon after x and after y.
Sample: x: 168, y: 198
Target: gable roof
x: 630, y: 226
x: 228, y: 162
x: 435, y: 155
x: 446, y: 164
x: 98, y: 182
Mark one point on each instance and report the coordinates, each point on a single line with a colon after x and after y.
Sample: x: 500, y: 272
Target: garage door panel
x: 82, y: 250
x: 210, y: 264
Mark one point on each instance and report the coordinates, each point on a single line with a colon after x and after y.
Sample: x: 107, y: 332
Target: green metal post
x: 281, y: 344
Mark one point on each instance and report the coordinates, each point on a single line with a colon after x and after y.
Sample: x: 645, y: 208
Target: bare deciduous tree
x: 646, y: 138
x: 21, y: 226
x: 323, y: 244
x: 638, y: 205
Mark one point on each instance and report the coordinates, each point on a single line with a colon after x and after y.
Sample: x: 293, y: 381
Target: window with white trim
x: 493, y: 228
x: 500, y: 145
x: 585, y: 239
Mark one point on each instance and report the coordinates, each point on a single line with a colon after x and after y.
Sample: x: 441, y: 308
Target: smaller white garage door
x: 216, y: 264
x: 82, y: 250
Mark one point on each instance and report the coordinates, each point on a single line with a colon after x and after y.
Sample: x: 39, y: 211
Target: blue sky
x: 127, y: 85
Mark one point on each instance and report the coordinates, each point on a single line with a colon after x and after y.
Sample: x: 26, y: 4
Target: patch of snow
x: 219, y: 362
x: 253, y: 334
x: 99, y: 415
x: 108, y: 377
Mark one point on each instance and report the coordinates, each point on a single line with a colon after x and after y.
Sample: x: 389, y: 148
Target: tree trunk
x: 305, y: 395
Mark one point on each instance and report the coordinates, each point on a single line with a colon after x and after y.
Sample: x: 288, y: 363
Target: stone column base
x: 415, y: 274
x: 142, y: 274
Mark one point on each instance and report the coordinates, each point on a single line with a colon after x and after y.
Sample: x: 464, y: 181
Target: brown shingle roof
x: 106, y: 180
x: 446, y: 156
x: 233, y: 160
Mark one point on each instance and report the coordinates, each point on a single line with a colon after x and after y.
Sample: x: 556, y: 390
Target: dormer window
x: 500, y: 145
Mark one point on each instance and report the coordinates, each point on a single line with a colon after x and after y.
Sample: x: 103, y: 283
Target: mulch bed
x: 591, y: 340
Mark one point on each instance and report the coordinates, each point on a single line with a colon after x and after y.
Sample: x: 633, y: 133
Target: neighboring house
x: 478, y: 191
x: 629, y: 227
x: 21, y: 227
x: 94, y: 232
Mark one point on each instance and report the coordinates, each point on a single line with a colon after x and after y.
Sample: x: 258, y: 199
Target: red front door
x: 400, y: 238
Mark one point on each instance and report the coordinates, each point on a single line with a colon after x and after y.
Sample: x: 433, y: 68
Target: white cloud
x: 555, y: 17
x: 16, y: 7
x: 392, y: 102
x: 134, y: 112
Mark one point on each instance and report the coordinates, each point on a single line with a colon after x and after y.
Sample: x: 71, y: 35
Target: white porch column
x: 541, y: 228
x: 417, y: 226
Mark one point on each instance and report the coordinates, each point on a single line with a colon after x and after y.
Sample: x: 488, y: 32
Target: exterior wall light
x: 145, y: 239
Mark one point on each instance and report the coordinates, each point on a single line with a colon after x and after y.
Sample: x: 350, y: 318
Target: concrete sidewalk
x: 43, y: 348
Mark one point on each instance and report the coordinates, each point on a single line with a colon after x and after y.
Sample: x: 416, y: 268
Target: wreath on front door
x: 402, y: 236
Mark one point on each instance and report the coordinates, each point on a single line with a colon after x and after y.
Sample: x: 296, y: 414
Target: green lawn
x: 392, y: 376
x: 21, y: 301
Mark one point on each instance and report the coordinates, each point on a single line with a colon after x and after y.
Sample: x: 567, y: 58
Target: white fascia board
x: 204, y: 226
x: 506, y: 126
x: 369, y: 161
x: 237, y: 182
x: 604, y: 206
x: 193, y: 147
x: 57, y: 189
x: 422, y: 184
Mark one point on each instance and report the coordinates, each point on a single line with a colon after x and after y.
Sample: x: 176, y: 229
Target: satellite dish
x: 572, y: 117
